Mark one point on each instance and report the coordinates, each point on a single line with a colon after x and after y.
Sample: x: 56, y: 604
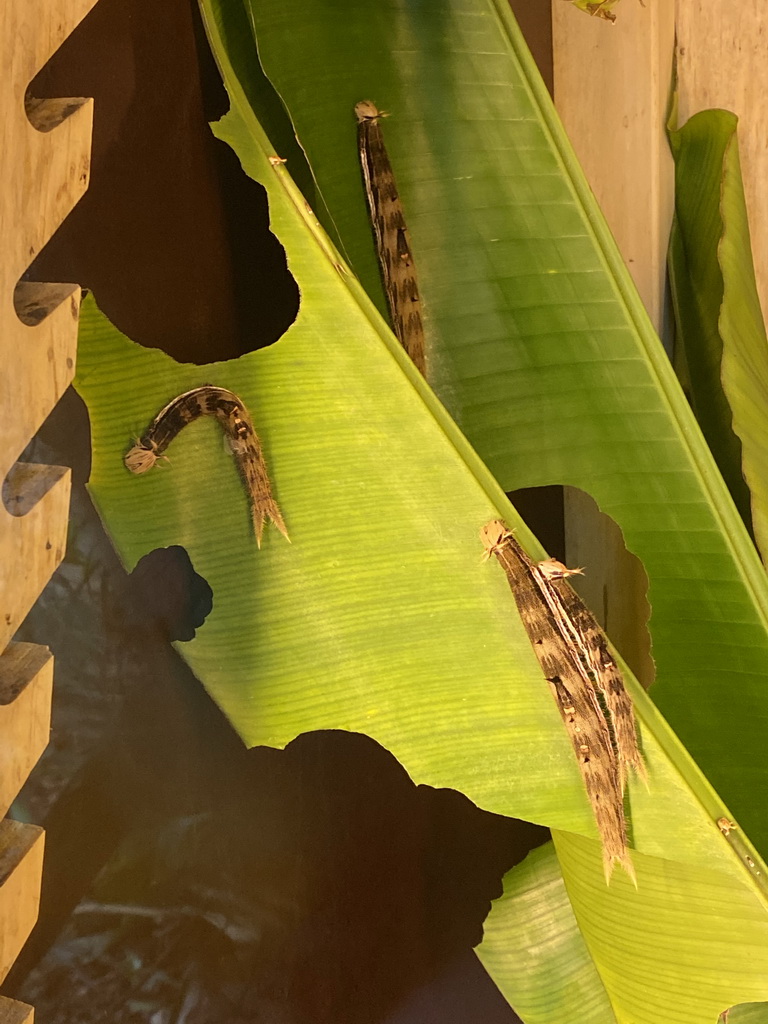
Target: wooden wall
x: 611, y: 87
x: 45, y: 147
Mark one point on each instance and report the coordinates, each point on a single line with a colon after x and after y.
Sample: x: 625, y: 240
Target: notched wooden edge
x: 27, y: 483
x: 46, y: 114
x: 20, y: 664
x: 36, y: 300
x: 13, y: 1012
x: 16, y: 840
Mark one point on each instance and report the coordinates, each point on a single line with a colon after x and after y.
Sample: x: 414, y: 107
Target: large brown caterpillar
x: 209, y: 400
x: 581, y: 629
x: 574, y: 654
x: 393, y: 244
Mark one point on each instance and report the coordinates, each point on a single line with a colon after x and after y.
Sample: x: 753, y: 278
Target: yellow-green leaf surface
x: 537, y: 341
x: 717, y: 310
x: 625, y: 955
x: 535, y: 951
x: 548, y: 932
x: 380, y: 616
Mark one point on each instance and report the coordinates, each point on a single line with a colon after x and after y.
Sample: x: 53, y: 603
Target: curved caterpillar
x: 233, y: 417
x: 393, y: 243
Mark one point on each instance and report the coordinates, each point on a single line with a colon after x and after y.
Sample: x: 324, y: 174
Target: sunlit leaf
x: 380, y: 617
x: 538, y: 342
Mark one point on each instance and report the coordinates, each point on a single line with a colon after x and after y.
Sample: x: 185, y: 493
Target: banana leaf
x: 719, y: 323
x: 533, y: 921
x: 380, y: 617
x: 537, y: 341
x: 748, y: 1013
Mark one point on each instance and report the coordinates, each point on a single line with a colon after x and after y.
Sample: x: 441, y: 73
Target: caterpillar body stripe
x: 233, y: 417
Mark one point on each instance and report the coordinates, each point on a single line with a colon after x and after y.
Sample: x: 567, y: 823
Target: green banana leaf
x: 718, y: 318
x: 540, y: 947
x: 537, y: 341
x: 381, y: 617
x: 749, y: 1013
x: 533, y: 921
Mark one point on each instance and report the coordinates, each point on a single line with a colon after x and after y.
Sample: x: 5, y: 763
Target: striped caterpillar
x: 584, y: 679
x: 393, y: 244
x: 233, y: 417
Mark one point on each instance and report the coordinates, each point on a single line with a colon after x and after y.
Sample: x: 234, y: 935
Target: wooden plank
x: 12, y: 1012
x: 722, y: 51
x: 45, y: 146
x: 45, y: 172
x: 21, y: 864
x: 611, y: 89
x: 26, y: 683
x: 614, y: 584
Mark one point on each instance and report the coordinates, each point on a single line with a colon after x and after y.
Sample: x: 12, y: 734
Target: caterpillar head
x: 141, y: 457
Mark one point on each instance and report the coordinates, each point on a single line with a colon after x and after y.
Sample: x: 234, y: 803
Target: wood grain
x: 615, y: 585
x: 44, y: 174
x: 46, y: 157
x: 26, y: 683
x: 21, y: 864
x: 12, y: 1012
x: 611, y: 88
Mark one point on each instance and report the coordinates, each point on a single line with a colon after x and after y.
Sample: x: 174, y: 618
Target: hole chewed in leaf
x: 191, y: 231
x: 614, y: 583
x: 166, y: 595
